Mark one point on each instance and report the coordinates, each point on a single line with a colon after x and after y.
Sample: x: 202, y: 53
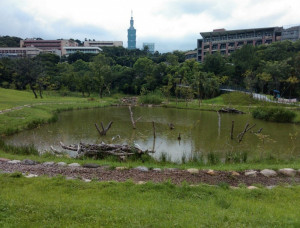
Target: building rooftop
x: 221, y: 32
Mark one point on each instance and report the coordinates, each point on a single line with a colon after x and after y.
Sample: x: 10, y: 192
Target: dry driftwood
x: 131, y: 117
x: 247, y: 128
x: 103, y: 150
x: 104, y: 130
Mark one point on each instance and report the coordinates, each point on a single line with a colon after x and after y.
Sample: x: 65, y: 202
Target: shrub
x: 151, y: 98
x: 274, y: 114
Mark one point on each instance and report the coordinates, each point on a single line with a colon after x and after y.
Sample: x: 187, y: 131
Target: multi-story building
x: 226, y: 42
x: 17, y: 52
x: 131, y: 35
x: 86, y: 50
x: 103, y: 44
x: 151, y: 47
x: 48, y: 45
x: 292, y: 33
x: 191, y: 55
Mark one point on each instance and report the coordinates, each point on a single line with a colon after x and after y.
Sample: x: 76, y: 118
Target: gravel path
x: 104, y: 173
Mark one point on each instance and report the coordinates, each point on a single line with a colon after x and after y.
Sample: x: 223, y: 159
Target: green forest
x: 260, y: 69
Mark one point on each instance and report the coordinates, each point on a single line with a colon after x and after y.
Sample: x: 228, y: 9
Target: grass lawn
x: 40, y: 110
x: 56, y: 202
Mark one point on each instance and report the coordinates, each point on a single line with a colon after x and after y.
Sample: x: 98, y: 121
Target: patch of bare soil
x: 104, y: 173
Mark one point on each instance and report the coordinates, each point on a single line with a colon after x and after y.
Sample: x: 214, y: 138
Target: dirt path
x: 104, y: 173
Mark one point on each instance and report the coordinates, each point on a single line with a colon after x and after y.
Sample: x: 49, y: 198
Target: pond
x: 202, y: 133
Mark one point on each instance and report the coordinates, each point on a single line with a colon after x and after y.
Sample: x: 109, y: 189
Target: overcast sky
x: 170, y: 24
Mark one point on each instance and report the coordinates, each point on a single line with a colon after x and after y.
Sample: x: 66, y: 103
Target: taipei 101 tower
x: 131, y: 35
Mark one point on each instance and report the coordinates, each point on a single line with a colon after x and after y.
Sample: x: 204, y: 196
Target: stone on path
x: 14, y: 162
x: 268, y: 173
x: 234, y: 173
x: 171, y: 169
x: 211, y: 172
x: 288, y: 172
x: 142, y: 168
x: 91, y: 165
x: 62, y: 164
x: 48, y: 163
x: 74, y: 165
x: 141, y: 182
x: 251, y: 173
x: 31, y: 175
x: 157, y: 169
x: 86, y: 180
x: 121, y: 168
x: 70, y: 178
x: 193, y: 170
x: 4, y: 159
x: 29, y: 162
x: 252, y: 187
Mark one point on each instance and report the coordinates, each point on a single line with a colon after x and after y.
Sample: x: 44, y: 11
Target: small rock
x: 251, y: 173
x: 268, y: 173
x: 86, y: 180
x: 70, y: 178
x: 48, y: 163
x: 270, y: 187
x: 28, y: 162
x: 142, y: 168
x: 193, y: 170
x: 121, y: 168
x: 74, y: 165
x: 141, y: 182
x: 211, y: 172
x: 233, y: 173
x: 252, y: 187
x: 171, y: 169
x: 31, y: 175
x: 14, y: 162
x: 4, y: 159
x: 62, y: 164
x: 288, y: 172
x: 91, y: 165
x: 157, y: 169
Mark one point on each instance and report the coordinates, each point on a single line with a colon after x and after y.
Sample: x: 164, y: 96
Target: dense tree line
x: 260, y: 69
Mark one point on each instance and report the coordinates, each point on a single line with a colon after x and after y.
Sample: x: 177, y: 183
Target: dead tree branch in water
x: 104, y: 130
x: 131, y: 117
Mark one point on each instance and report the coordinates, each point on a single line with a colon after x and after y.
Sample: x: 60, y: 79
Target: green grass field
x: 56, y: 202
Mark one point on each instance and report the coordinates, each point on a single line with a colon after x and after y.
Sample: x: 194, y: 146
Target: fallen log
x: 103, y: 150
x: 230, y: 110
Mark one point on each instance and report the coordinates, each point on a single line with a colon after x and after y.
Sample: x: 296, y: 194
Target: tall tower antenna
x: 131, y: 13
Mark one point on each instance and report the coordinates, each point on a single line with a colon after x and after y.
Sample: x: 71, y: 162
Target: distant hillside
x: 10, y: 41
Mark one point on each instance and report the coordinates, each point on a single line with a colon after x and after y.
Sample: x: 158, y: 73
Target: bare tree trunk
x: 131, y: 117
x: 154, y: 131
x: 232, y: 127
x: 33, y: 90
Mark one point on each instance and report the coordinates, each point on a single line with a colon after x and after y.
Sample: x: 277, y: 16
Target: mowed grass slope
x: 38, y: 111
x: 45, y: 202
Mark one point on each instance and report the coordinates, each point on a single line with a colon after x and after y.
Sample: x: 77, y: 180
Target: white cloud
x: 155, y: 21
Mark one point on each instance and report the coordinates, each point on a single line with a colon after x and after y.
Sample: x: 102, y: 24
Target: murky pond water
x: 201, y: 132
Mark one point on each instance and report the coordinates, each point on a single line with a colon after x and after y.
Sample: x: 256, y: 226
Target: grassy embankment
x: 41, y: 110
x: 56, y: 202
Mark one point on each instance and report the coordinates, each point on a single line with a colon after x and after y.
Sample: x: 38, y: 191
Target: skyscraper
x: 131, y: 35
